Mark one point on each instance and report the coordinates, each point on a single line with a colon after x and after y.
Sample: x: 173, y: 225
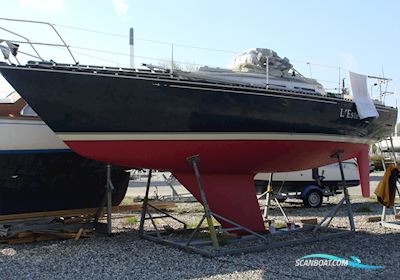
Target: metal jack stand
x: 324, y: 224
x: 245, y: 243
x: 391, y: 224
x: 152, y: 218
x: 269, y: 196
x: 207, y: 213
x: 175, y: 196
x: 389, y: 157
x: 146, y: 215
x: 191, y: 244
x: 107, y: 199
x: 331, y: 214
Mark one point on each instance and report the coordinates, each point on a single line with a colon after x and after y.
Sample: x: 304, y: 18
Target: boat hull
x: 28, y: 136
x: 227, y: 167
x: 73, y: 103
x: 223, y: 156
x: 51, y: 180
x: 156, y: 121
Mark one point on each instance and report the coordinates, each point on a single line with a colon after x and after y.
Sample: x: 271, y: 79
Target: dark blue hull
x: 83, y: 101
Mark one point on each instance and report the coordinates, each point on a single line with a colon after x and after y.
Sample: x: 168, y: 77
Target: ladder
x: 387, y: 152
x: 388, y: 155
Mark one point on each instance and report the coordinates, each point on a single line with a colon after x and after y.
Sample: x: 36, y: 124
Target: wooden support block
x: 310, y: 221
x: 45, y: 237
x: 75, y: 220
x: 28, y: 239
x: 67, y: 235
x: 374, y: 219
x: 24, y: 234
x: 75, y: 223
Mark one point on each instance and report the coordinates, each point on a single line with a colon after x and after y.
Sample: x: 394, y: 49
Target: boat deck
x: 165, y: 75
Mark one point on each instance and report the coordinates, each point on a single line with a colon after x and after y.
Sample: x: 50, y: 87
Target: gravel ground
x: 126, y: 256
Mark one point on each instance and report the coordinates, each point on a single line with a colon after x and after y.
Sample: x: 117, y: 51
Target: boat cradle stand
x: 106, y: 202
x: 221, y: 242
x: 269, y: 197
x: 394, y: 222
x: 388, y: 155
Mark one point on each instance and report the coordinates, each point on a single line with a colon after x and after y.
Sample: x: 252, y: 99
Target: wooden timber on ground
x: 82, y: 212
x: 373, y: 219
x: 310, y: 221
x: 61, y: 224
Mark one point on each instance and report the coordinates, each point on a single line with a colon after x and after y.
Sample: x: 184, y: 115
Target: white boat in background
x: 396, y: 144
x: 22, y: 131
x: 330, y: 174
x: 385, y: 145
x: 38, y: 172
x: 310, y: 185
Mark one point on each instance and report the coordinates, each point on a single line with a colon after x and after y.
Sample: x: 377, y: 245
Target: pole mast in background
x: 132, y: 49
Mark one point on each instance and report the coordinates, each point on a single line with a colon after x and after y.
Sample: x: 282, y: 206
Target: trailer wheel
x: 313, y: 198
x: 281, y: 199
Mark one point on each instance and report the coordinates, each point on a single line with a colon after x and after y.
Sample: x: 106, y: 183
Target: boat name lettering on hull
x: 348, y: 114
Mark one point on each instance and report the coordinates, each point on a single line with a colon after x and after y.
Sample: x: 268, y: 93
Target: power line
x: 102, y: 59
x: 144, y: 39
x: 182, y: 45
x: 127, y: 55
x: 91, y: 30
x: 170, y: 44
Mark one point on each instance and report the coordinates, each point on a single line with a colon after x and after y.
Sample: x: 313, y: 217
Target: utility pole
x: 132, y: 49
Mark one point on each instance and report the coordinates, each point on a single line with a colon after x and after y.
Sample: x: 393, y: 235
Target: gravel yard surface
x: 126, y: 256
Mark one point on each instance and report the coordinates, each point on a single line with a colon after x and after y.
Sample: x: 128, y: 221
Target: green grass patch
x: 127, y: 200
x: 193, y: 208
x: 279, y: 224
x: 131, y: 221
x: 192, y: 225
x: 223, y: 238
x: 204, y: 224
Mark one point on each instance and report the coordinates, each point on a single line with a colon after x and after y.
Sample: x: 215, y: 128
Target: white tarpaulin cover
x: 255, y: 59
x: 364, y: 104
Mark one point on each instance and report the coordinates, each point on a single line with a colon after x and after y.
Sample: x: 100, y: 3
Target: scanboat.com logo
x: 330, y: 260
